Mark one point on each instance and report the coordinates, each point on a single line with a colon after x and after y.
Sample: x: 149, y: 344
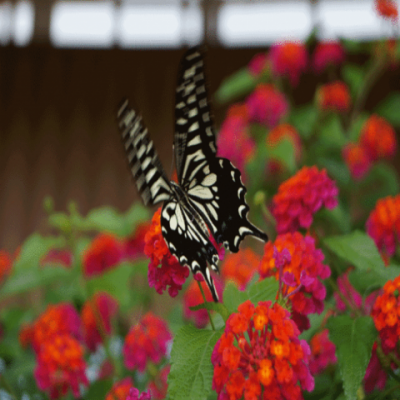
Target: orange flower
x: 60, y: 366
x: 383, y: 224
x: 378, y: 138
x: 5, y: 265
x: 271, y: 359
x: 120, y: 390
x: 240, y: 267
x: 334, y: 96
x: 104, y: 253
x: 357, y: 160
x: 387, y: 9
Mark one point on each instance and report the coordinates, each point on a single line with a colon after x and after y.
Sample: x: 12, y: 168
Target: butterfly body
x: 209, y: 198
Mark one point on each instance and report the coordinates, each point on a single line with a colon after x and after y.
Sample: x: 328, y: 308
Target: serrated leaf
x: 236, y: 85
x: 354, y: 76
x: 191, y: 369
x: 389, y: 108
x: 353, y: 353
x: 357, y: 248
x: 260, y: 291
x: 304, y: 119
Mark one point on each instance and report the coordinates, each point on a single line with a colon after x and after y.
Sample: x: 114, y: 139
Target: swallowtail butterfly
x: 210, y: 196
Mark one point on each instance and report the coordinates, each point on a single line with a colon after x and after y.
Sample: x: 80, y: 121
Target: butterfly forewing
x: 145, y: 165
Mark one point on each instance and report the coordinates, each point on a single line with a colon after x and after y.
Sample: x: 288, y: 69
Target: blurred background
x: 65, y: 66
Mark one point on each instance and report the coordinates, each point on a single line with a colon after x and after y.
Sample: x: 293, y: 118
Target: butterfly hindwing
x: 145, y: 165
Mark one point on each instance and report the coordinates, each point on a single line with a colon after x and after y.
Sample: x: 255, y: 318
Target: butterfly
x: 210, y: 195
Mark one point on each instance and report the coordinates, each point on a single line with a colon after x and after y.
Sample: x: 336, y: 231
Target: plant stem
x: 205, y: 301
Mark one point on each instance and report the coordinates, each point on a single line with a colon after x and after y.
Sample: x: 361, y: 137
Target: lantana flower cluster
x: 334, y: 96
x: 327, y: 54
x: 322, y: 352
x: 300, y: 197
x: 260, y: 352
x: 302, y: 273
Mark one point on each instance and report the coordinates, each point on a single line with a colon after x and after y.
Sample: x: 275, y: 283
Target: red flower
x: 146, y: 341
x: 171, y: 273
x: 258, y: 64
x: 301, y: 196
x: 387, y: 9
x: 134, y: 244
x: 288, y: 59
x: 120, y: 390
x: 275, y: 136
x: 378, y: 138
x: 104, y: 253
x: 60, y: 366
x: 266, y: 105
x: 234, y: 141
x: 326, y: 54
x: 25, y: 336
x: 193, y: 297
x: 260, y: 351
x: 58, y: 256
x: 357, y: 160
x: 5, y: 265
x: 302, y: 274
x: 383, y: 224
x: 56, y: 320
x: 159, y: 386
x: 334, y: 96
x: 134, y: 394
x: 347, y: 290
x: 322, y: 352
x: 375, y: 376
x: 96, y: 318
x: 240, y: 267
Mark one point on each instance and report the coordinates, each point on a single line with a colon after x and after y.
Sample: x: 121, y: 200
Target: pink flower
x: 58, y: 256
x: 375, y: 376
x: 146, y: 341
x: 357, y: 160
x: 266, y: 105
x: 322, y: 352
x: 134, y: 394
x: 258, y: 64
x: 134, y: 244
x: 326, y: 54
x: 288, y: 59
x: 301, y: 196
x: 159, y: 386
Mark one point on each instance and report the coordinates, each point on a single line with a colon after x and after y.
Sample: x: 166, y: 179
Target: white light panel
x: 23, y: 24
x: 82, y: 24
x: 5, y: 22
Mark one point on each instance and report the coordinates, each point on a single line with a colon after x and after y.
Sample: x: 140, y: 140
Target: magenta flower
x: 327, y: 53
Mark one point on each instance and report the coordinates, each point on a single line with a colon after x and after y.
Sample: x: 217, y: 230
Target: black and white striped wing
x: 194, y: 139
x: 188, y: 240
x: 144, y: 163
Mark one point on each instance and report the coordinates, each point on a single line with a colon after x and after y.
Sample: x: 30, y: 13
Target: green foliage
x: 304, y: 119
x: 284, y: 153
x: 191, y: 368
x: 389, y: 109
x: 352, y: 350
x: 354, y: 76
x: 237, y: 85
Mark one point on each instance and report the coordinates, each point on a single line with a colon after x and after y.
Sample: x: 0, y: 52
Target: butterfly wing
x: 145, y: 165
x: 188, y: 239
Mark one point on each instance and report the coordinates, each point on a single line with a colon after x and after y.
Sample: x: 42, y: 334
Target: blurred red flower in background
x: 383, y: 224
x: 304, y: 268
x: 288, y: 59
x: 234, y: 141
x: 322, y: 352
x: 5, y: 265
x: 146, y: 341
x: 266, y: 105
x: 334, y: 96
x: 326, y: 54
x: 275, y: 136
x: 158, y: 386
x: 120, y: 389
x: 134, y: 244
x: 134, y: 394
x: 61, y: 366
x: 240, y: 267
x: 378, y: 138
x: 260, y: 352
x: 104, y: 253
x: 96, y: 318
x: 301, y: 196
x: 63, y: 257
x: 258, y: 64
x: 357, y: 160
x: 171, y: 274
x: 387, y: 9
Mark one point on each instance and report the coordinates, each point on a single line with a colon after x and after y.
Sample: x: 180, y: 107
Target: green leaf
x: 336, y: 169
x: 236, y: 85
x: 353, y: 352
x: 353, y: 46
x: 339, y: 217
x: 136, y: 214
x: 191, y: 369
x: 389, y: 109
x: 357, y: 248
x: 284, y: 152
x: 354, y: 76
x: 104, y: 219
x: 98, y: 389
x: 304, y: 119
x: 355, y: 128
x: 260, y: 291
x: 332, y: 133
x: 211, y: 306
x: 115, y: 282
